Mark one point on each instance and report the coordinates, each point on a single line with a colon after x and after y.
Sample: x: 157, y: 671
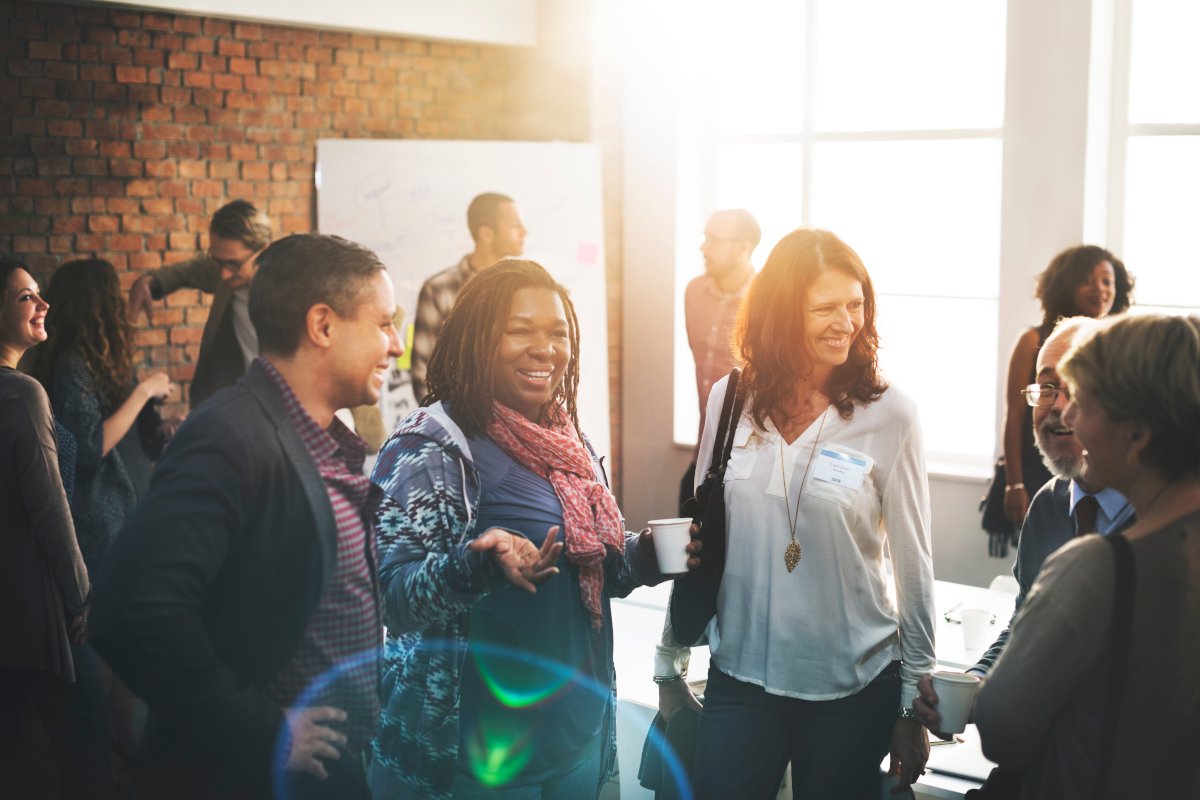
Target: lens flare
x: 498, y: 746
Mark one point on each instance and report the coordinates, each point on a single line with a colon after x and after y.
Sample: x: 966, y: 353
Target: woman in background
x: 44, y: 587
x: 812, y: 661
x: 1135, y: 406
x: 87, y: 367
x: 1085, y: 281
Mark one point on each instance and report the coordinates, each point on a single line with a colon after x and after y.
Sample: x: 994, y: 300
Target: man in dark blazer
x: 247, y: 575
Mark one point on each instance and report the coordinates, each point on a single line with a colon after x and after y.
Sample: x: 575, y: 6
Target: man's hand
x: 1016, y: 505
x: 311, y: 739
x: 648, y: 554
x: 525, y: 566
x: 910, y: 751
x: 925, y: 705
x: 140, y: 299
x: 78, y: 628
x: 674, y: 695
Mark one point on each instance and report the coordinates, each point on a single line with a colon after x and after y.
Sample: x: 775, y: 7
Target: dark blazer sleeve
x: 148, y: 618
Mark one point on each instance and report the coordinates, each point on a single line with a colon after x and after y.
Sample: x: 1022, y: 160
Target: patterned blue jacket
x: 429, y: 582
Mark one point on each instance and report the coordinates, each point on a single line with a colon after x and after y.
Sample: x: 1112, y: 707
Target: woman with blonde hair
x: 813, y: 662
x: 1106, y: 649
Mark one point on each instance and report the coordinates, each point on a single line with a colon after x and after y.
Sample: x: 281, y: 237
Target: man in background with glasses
x: 1066, y: 507
x: 710, y: 305
x: 237, y: 233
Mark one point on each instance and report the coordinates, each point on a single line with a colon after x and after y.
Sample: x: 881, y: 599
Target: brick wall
x: 121, y: 132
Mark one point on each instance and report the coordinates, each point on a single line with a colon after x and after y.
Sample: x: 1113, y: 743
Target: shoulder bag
x: 694, y: 596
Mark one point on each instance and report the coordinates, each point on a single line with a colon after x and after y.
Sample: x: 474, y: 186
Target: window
x: 1152, y: 199
x: 891, y: 137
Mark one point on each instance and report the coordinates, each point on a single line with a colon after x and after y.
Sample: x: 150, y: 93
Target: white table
x: 637, y: 625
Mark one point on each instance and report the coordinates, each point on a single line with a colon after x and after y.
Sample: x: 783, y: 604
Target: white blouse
x: 826, y: 629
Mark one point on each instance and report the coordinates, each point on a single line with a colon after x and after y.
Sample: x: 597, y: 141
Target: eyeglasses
x: 1044, y: 394
x: 231, y: 264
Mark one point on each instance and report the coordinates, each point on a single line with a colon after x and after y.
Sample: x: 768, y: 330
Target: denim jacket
x: 429, y: 582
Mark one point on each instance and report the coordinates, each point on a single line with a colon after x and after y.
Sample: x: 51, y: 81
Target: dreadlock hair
x: 460, y: 367
x: 88, y: 314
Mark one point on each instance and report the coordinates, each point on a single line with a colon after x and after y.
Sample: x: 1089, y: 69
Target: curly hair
x: 769, y: 334
x: 460, y: 367
x: 1071, y: 269
x: 88, y: 314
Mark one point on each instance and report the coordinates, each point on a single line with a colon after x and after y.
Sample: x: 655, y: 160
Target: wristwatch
x: 906, y: 712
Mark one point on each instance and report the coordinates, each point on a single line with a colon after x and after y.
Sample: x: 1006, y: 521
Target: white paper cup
x: 977, y: 629
x: 956, y: 695
x: 671, y: 537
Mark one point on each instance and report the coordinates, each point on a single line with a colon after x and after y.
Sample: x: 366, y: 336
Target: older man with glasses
x: 1066, y: 507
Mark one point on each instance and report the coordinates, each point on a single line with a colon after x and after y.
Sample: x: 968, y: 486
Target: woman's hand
x: 157, y: 385
x: 910, y: 751
x: 675, y: 695
x: 647, y: 553
x: 525, y: 566
x: 1016, y: 505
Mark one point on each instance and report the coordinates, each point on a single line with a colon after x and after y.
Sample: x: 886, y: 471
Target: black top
x: 209, y: 587
x: 43, y: 580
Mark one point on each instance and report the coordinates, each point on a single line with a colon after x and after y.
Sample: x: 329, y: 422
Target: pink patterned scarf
x: 591, y: 521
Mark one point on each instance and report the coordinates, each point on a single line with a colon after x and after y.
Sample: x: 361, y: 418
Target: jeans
x: 747, y: 736
x: 75, y: 717
x: 578, y: 781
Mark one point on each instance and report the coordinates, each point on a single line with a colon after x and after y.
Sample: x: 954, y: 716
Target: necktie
x: 1085, y: 515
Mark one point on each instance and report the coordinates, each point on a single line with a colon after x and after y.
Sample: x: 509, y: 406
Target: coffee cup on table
x: 671, y: 537
x: 977, y: 628
x: 956, y: 696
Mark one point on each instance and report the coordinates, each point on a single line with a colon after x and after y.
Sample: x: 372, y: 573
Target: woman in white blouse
x: 813, y: 659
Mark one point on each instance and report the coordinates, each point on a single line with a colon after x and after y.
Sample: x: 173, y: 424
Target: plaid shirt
x: 337, y: 663
x: 710, y: 316
x: 433, y: 306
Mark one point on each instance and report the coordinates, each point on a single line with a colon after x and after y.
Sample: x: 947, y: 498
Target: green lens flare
x: 519, y: 685
x: 497, y: 750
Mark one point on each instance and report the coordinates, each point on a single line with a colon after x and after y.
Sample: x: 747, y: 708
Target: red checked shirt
x: 337, y: 662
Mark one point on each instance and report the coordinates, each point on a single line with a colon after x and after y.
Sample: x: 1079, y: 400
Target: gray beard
x: 1064, y: 467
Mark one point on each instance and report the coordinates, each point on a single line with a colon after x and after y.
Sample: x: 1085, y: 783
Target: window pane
x: 923, y: 215
x: 758, y: 50
x: 1164, y: 66
x: 942, y: 352
x: 765, y: 179
x: 917, y: 65
x: 1162, y: 206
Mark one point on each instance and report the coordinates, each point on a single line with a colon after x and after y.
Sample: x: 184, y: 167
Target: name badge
x: 840, y: 469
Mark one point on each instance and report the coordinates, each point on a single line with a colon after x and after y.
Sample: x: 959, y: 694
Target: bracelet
x: 1014, y: 486
x: 661, y: 679
x: 906, y: 712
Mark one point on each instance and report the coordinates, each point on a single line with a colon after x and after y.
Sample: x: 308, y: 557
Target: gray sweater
x: 1048, y: 526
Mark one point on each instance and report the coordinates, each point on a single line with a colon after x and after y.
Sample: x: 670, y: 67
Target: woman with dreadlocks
x: 488, y: 687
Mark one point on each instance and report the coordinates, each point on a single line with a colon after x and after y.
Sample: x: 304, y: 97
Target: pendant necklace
x: 791, y: 556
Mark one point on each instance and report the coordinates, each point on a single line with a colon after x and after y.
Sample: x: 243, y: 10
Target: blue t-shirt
x: 536, y: 685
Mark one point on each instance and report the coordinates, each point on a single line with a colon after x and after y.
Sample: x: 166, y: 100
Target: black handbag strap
x: 723, y: 444
x: 1122, y: 634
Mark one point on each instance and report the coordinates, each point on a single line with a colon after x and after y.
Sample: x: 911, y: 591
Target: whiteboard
x: 407, y: 201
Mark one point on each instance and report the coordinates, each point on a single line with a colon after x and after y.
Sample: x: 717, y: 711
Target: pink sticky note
x: 587, y: 252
